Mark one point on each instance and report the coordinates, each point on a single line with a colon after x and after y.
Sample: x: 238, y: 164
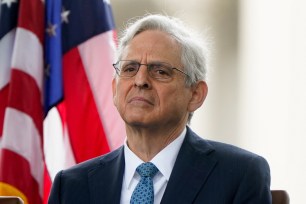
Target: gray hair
x: 194, y: 52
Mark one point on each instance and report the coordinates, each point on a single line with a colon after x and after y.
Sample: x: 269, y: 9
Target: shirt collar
x: 164, y: 160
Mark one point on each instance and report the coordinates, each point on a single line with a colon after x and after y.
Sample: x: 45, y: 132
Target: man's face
x: 144, y: 101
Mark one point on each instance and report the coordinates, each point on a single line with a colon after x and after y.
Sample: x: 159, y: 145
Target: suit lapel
x: 105, y: 181
x: 191, y: 170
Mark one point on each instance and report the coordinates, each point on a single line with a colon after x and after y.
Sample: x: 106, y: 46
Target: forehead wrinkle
x: 145, y: 48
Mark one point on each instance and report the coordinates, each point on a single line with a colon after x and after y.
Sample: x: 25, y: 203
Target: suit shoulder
x: 238, y: 158
x: 72, y: 183
x: 228, y: 150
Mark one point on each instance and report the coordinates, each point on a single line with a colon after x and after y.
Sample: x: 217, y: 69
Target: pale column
x: 273, y: 81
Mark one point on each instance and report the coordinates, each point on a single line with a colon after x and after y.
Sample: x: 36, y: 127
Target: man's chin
x: 136, y: 123
x: 140, y: 123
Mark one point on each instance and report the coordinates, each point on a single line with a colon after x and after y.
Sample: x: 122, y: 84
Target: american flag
x: 56, y: 106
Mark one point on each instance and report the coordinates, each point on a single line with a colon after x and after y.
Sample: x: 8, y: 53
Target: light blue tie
x: 144, y: 191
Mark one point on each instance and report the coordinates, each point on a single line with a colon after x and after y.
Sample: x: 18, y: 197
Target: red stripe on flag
x: 31, y: 17
x: 115, y: 37
x: 47, y: 185
x: 17, y: 173
x: 61, y: 107
x: 86, y: 132
x: 3, y: 103
x: 25, y: 96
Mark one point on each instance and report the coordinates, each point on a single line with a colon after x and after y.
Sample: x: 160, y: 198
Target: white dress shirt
x: 164, y: 161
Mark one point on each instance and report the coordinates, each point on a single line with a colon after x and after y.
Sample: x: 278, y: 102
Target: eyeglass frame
x: 118, y: 70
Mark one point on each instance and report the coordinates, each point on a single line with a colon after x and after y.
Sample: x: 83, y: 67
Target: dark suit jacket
x: 205, y: 172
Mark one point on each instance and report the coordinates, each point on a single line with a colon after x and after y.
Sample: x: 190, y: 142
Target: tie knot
x: 147, y: 169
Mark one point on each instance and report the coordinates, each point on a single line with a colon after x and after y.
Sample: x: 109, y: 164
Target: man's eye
x: 129, y: 68
x: 160, y: 70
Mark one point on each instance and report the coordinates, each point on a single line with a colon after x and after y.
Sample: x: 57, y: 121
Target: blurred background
x: 257, y: 97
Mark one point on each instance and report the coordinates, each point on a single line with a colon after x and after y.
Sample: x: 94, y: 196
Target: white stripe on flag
x: 97, y: 55
x: 58, y: 152
x: 28, y: 55
x: 21, y: 136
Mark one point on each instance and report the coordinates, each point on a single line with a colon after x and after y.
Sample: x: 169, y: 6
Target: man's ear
x: 199, y: 93
x: 114, y: 89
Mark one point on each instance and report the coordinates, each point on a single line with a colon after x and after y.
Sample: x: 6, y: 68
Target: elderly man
x: 159, y: 83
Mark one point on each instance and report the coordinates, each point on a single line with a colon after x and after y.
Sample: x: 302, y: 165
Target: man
x: 159, y: 83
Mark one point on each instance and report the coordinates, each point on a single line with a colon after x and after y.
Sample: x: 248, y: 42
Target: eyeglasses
x: 157, y: 70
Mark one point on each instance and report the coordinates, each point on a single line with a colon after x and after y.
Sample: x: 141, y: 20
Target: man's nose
x: 142, y: 78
